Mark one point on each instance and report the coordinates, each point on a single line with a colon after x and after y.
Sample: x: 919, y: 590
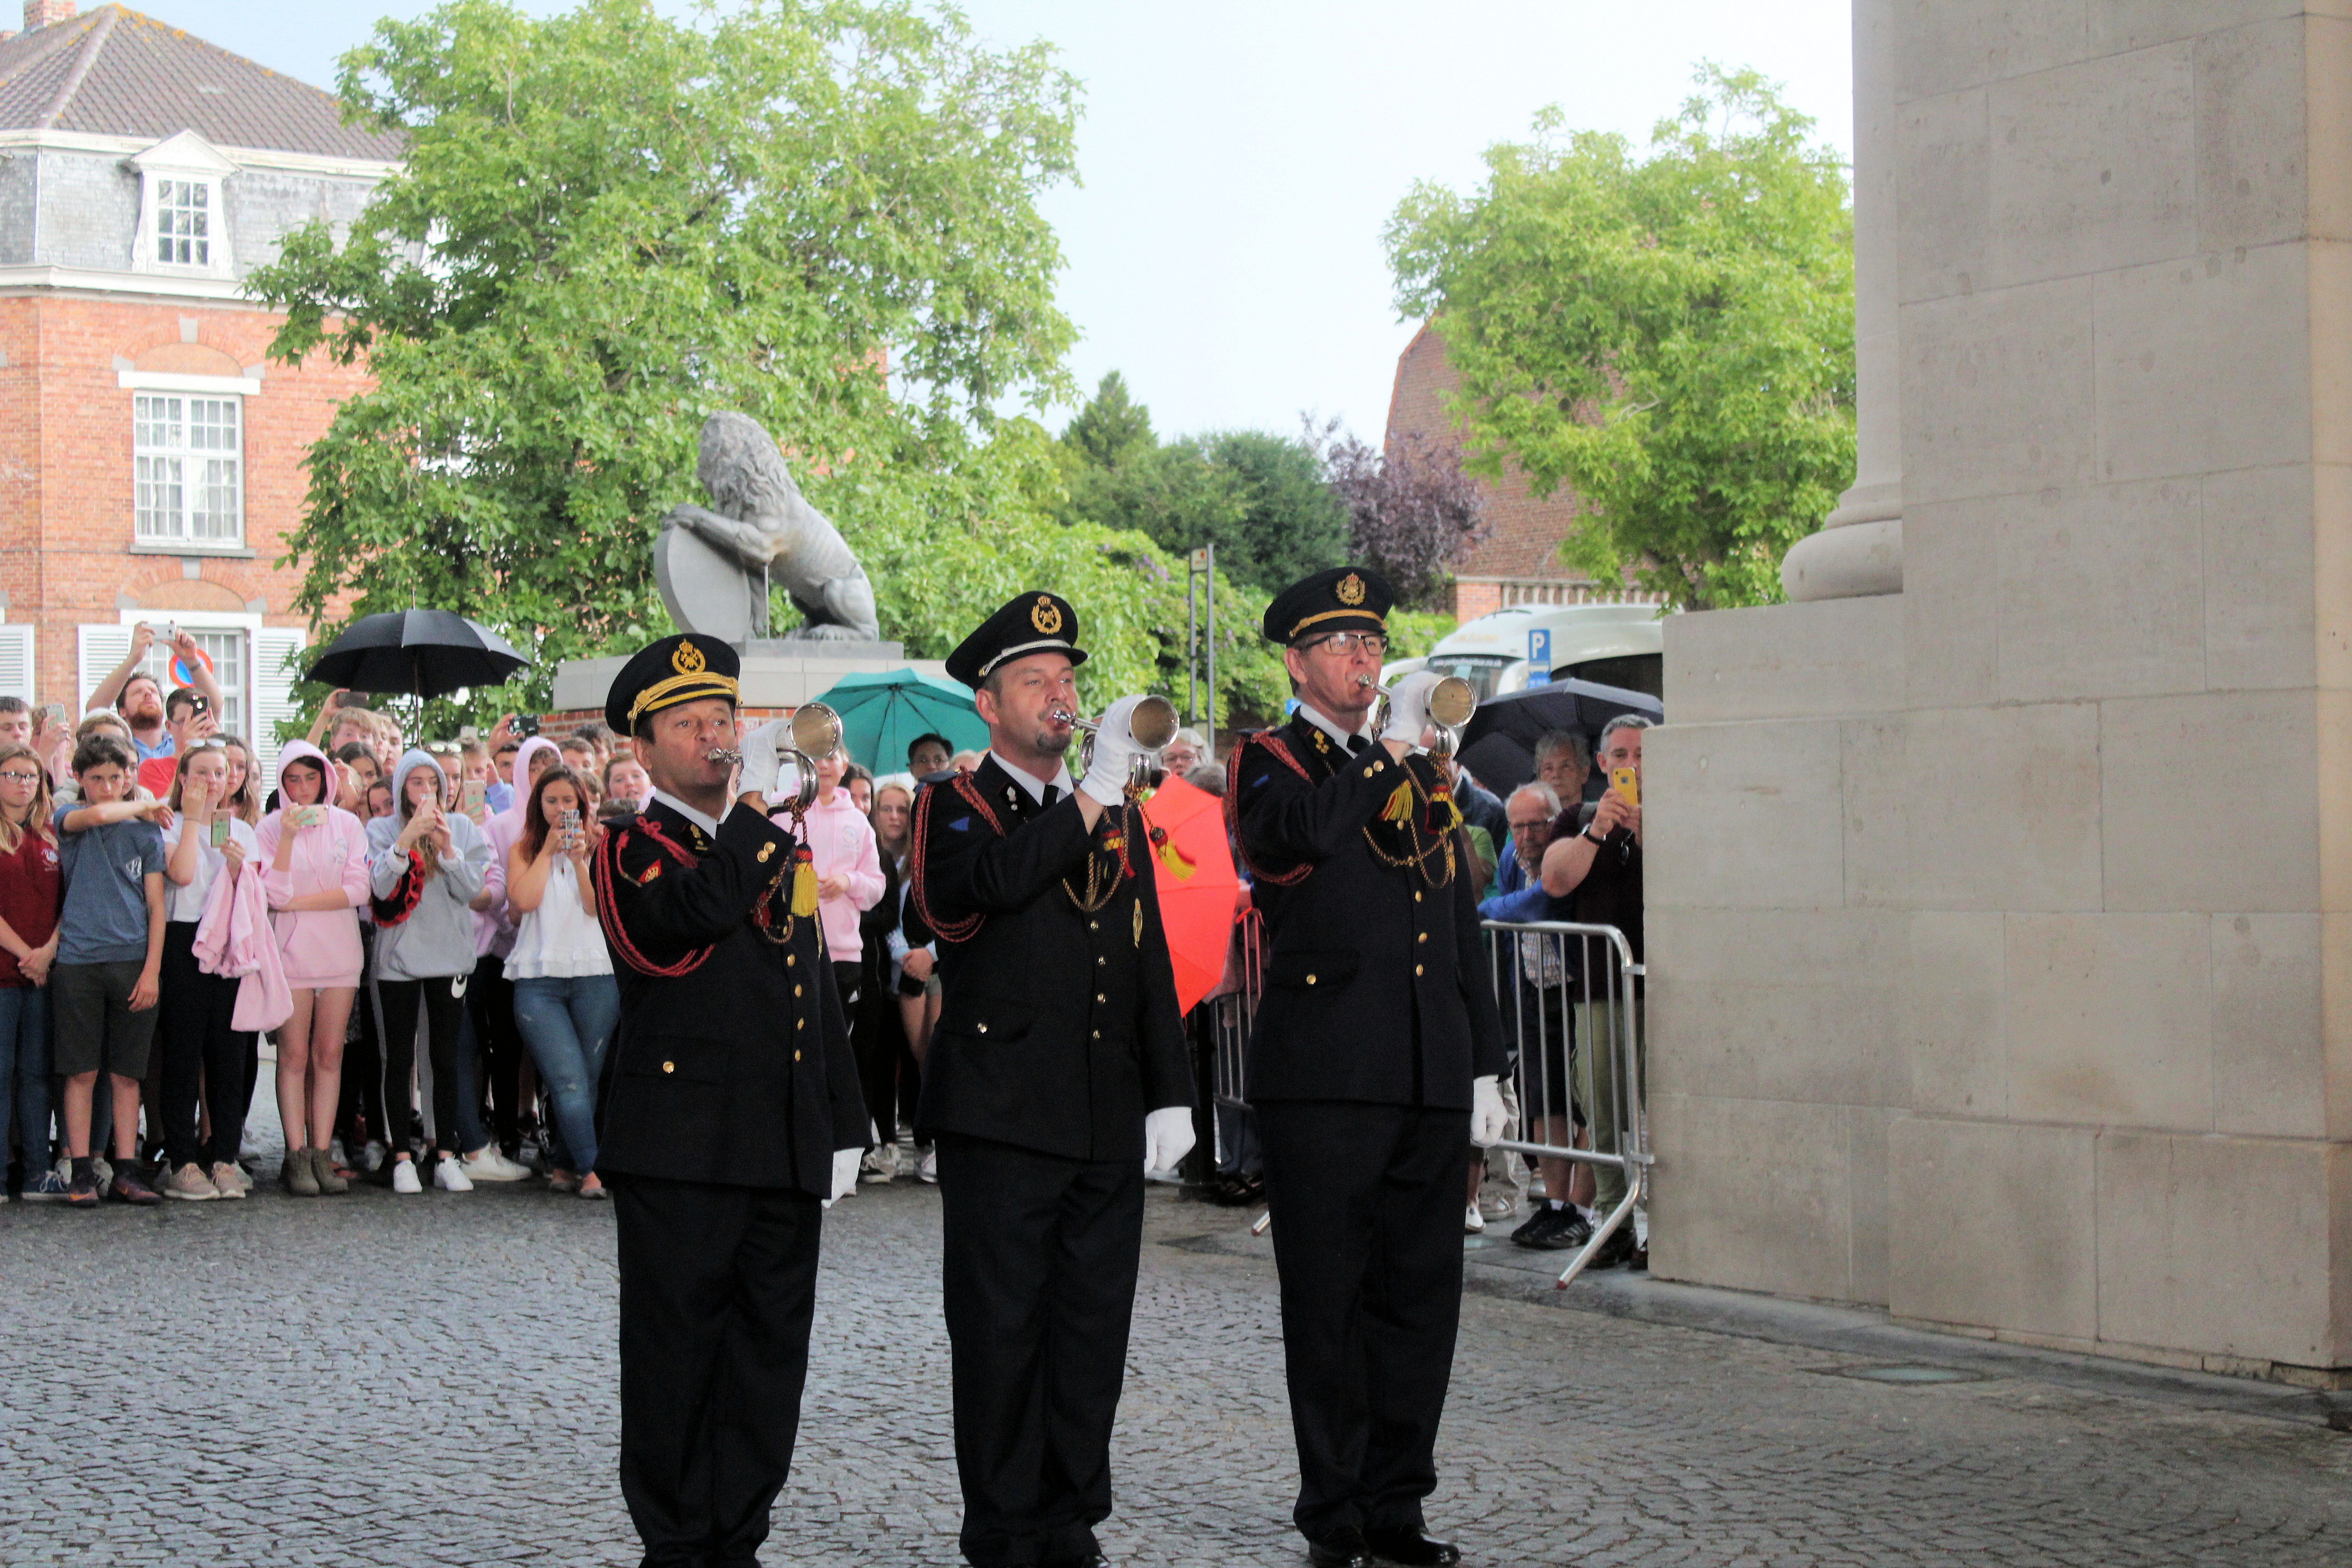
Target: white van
x: 1616, y: 645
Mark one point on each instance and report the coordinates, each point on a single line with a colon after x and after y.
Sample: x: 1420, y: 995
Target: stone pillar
x: 1859, y: 550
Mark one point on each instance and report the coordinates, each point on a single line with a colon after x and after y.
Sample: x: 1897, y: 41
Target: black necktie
x: 1053, y: 794
x: 1357, y: 745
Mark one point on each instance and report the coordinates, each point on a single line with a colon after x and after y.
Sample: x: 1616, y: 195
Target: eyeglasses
x: 1345, y: 644
x: 15, y: 777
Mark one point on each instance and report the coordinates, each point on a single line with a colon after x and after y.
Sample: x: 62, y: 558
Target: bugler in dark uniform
x: 733, y: 1098
x: 1057, y: 1072
x: 1376, y: 1039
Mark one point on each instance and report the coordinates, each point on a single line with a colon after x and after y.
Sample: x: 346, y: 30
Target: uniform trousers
x: 1367, y: 1206
x: 1039, y: 1266
x: 718, y: 1289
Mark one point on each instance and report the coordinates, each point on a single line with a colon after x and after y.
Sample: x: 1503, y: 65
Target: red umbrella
x: 1193, y: 866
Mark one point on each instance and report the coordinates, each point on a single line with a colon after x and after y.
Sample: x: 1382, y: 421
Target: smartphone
x: 1627, y: 782
x: 198, y: 702
x: 56, y: 710
x: 308, y: 816
x: 220, y: 832
x: 526, y: 725
x: 569, y: 819
x: 474, y: 794
x: 351, y: 699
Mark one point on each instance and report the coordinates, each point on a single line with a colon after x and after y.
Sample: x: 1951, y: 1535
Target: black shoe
x: 1619, y: 1249
x: 1553, y: 1230
x: 1342, y: 1548
x: 1413, y: 1548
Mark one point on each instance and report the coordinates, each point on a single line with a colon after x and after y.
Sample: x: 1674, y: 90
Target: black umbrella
x: 426, y: 653
x: 1499, y: 746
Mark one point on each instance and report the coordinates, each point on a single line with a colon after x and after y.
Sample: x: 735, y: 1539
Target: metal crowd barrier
x: 1561, y: 987
x: 1570, y: 997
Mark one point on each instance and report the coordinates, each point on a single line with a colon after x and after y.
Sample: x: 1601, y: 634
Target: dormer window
x: 183, y: 215
x: 180, y: 213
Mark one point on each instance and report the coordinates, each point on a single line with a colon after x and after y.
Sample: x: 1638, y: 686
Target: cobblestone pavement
x: 374, y: 1380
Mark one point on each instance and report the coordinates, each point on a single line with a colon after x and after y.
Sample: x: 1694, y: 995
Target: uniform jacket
x: 1377, y: 986
x: 736, y: 1069
x: 1058, y: 1029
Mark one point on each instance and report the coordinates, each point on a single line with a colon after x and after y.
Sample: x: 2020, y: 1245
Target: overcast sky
x: 1239, y: 159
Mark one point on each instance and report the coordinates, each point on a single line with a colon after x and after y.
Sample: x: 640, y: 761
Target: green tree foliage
x: 1671, y: 338
x: 610, y: 225
x: 1260, y: 499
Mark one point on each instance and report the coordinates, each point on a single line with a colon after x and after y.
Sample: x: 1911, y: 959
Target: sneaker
x: 880, y: 1163
x: 190, y: 1184
x: 322, y: 1170
x: 926, y: 1168
x: 128, y: 1189
x: 1473, y: 1222
x: 1499, y: 1205
x: 103, y: 1168
x: 371, y: 1157
x: 82, y: 1191
x: 335, y: 1152
x: 1553, y: 1230
x: 404, y: 1177
x: 300, y: 1180
x: 229, y: 1181
x: 48, y: 1187
x: 248, y: 1149
x: 487, y: 1165
x: 449, y: 1175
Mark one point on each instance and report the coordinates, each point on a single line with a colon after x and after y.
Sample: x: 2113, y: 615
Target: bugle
x: 1452, y: 701
x: 1153, y: 725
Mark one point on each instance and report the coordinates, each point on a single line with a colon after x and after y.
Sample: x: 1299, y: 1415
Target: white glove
x: 760, y: 761
x: 1115, y: 751
x: 844, y: 1175
x: 1488, y: 1115
x: 1408, y: 707
x: 1168, y: 1131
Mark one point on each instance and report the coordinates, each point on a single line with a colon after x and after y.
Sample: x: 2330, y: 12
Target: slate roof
x: 114, y: 72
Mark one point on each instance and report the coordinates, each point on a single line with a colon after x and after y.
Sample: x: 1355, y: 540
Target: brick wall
x: 1526, y: 531
x: 66, y: 482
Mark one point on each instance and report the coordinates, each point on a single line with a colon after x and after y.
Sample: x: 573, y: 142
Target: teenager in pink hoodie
x: 314, y: 870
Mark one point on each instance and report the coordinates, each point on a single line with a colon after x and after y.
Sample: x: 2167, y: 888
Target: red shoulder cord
x: 1268, y: 739
x: 605, y: 870
x: 947, y: 931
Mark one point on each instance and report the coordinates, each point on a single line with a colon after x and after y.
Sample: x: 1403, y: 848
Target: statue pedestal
x: 778, y: 672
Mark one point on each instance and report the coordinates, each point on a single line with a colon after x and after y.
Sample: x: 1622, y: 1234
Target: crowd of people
x: 448, y: 993
x: 449, y: 1012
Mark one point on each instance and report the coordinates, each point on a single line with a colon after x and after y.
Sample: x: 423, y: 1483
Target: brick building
x: 151, y: 462
x: 1518, y: 563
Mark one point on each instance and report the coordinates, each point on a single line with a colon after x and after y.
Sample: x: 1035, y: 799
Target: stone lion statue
x: 714, y: 566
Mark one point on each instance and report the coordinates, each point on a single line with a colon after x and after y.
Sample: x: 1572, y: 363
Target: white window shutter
x: 17, y: 662
x: 101, y: 648
x: 276, y: 668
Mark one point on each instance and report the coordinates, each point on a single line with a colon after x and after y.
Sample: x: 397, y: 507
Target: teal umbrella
x: 881, y: 714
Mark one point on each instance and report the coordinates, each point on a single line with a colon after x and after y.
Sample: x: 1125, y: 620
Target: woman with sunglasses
x: 30, y: 894
x: 314, y: 859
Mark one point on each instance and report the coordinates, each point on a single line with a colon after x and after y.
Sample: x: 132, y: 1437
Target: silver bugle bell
x: 1154, y: 724
x: 1452, y: 701
x: 816, y: 734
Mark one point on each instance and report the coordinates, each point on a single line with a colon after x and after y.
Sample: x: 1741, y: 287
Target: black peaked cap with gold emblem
x: 682, y: 668
x: 1032, y: 623
x: 1343, y: 599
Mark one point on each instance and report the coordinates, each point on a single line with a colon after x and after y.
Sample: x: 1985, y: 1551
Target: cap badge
x: 1350, y: 590
x: 1045, y: 616
x: 686, y: 659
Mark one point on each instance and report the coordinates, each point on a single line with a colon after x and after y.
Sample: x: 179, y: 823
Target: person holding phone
x: 426, y: 865
x: 1599, y: 871
x: 315, y: 874
x: 566, y: 1000
x: 201, y: 1049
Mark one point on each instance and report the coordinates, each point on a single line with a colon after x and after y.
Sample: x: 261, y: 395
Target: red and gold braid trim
x: 947, y: 931
x: 605, y: 871
x: 1272, y: 742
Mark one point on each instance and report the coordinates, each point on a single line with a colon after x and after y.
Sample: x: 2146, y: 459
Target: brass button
x: 796, y: 1056
x: 1100, y: 997
x: 980, y: 1028
x: 1368, y: 773
x: 791, y: 959
x: 1100, y: 961
x: 1416, y: 969
x: 1416, y: 897
x: 1097, y: 1034
x: 1310, y: 980
x: 800, y: 1023
x: 796, y: 990
x: 1093, y: 925
x: 1421, y: 937
x: 669, y: 1067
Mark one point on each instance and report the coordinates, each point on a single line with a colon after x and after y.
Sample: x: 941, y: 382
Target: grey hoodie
x: 436, y: 940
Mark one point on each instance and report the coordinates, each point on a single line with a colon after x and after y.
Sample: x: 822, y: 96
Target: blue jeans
x: 568, y: 1024
x: 24, y: 1072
